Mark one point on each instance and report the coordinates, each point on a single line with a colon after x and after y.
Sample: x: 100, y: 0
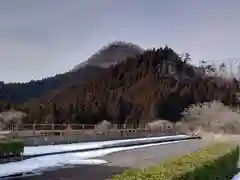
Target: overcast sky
x: 40, y: 38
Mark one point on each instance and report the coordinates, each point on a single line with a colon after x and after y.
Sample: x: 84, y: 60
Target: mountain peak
x: 111, y: 54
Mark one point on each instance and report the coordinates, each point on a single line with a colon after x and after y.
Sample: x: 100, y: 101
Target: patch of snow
x: 236, y: 177
x: 38, y: 150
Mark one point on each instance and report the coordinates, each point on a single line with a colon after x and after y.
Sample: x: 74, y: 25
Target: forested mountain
x: 109, y: 55
x: 155, y: 84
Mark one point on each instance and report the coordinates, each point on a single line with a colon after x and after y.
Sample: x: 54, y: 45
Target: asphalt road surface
x: 120, y: 161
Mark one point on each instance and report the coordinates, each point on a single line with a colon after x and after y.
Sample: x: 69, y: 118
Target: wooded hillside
x: 156, y: 84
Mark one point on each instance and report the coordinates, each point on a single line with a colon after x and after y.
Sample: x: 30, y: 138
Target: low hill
x: 157, y: 84
x: 93, y: 67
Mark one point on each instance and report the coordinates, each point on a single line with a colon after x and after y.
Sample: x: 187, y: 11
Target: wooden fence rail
x: 29, y: 130
x: 23, y: 127
x: 32, y: 130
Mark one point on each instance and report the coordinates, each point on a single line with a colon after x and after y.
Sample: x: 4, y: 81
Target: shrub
x: 216, y: 162
x: 11, y: 148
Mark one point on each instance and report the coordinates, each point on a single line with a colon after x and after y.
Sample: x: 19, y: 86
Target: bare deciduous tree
x: 222, y: 69
x: 210, y: 69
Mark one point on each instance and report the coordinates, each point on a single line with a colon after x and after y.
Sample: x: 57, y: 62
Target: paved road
x: 144, y: 157
x: 120, y: 161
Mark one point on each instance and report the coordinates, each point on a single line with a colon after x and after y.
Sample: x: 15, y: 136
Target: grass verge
x: 216, y: 162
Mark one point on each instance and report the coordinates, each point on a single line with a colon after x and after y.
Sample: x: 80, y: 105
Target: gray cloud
x: 42, y: 38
